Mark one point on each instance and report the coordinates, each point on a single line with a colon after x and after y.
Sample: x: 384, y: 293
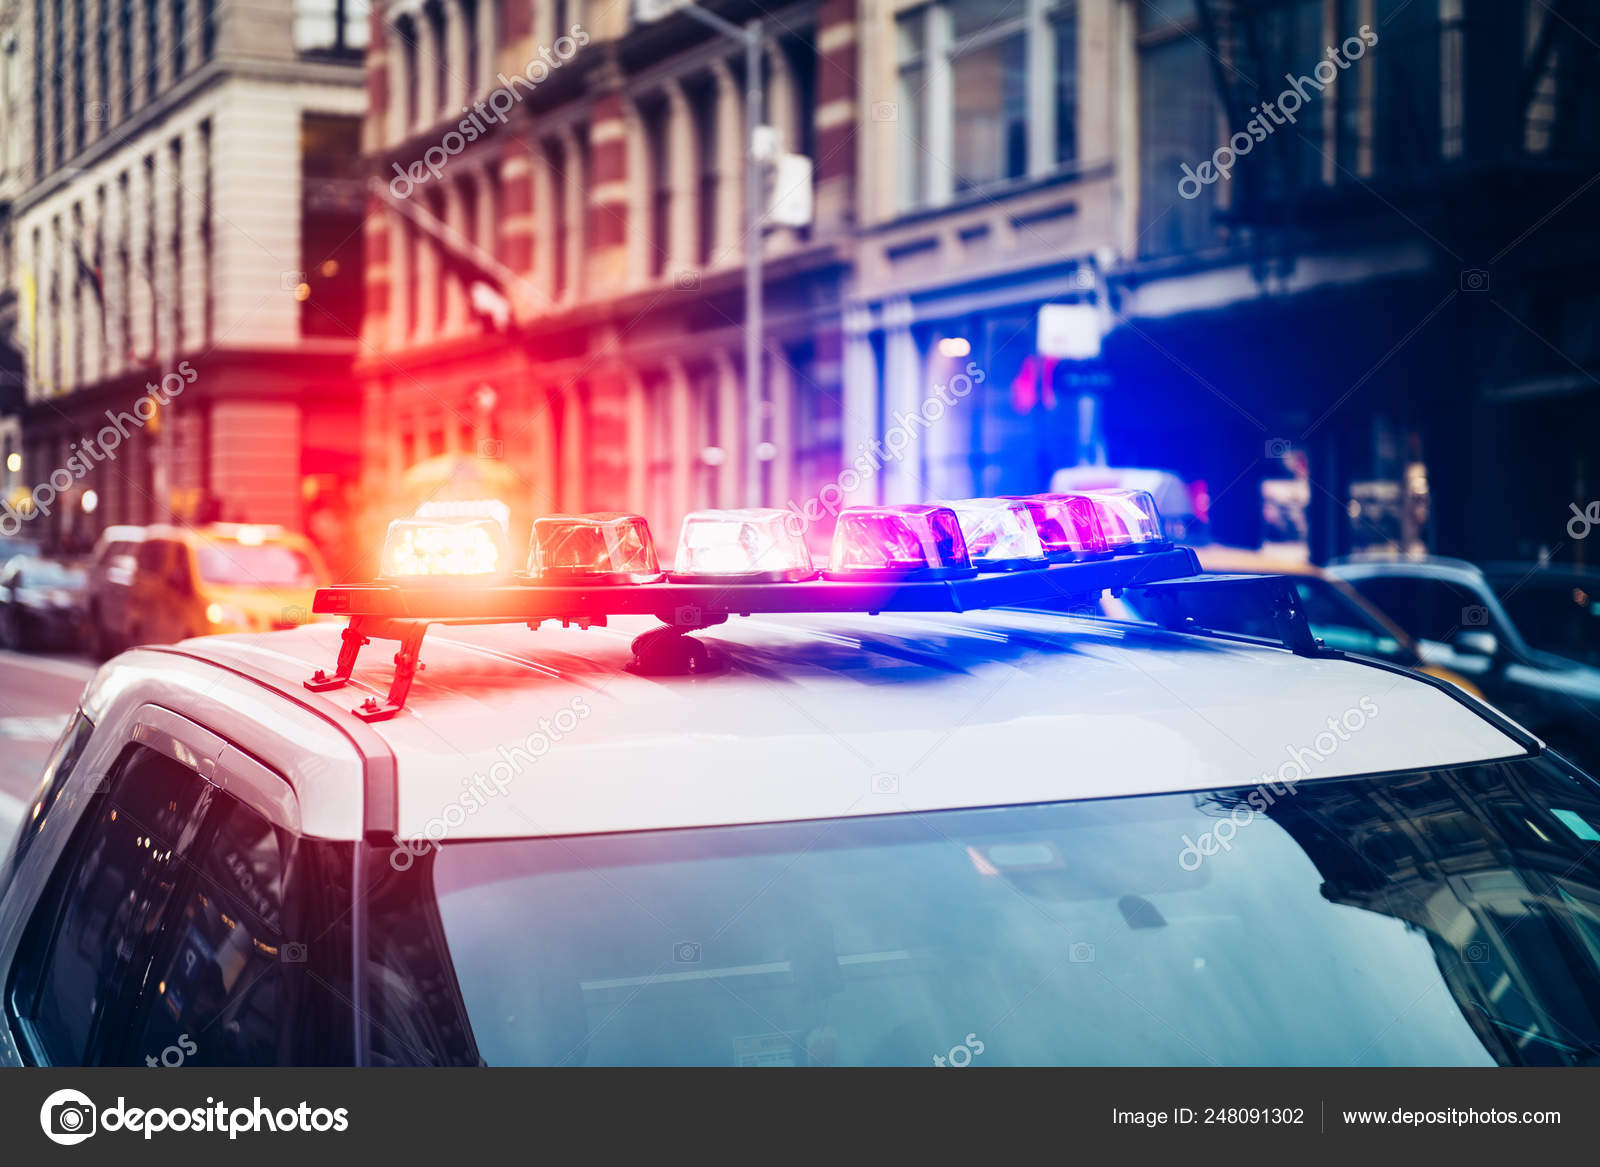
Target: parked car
x: 41, y: 604
x: 1557, y: 609
x: 1336, y: 612
x: 1460, y: 622
x: 11, y: 546
x: 225, y: 577
x: 110, y: 578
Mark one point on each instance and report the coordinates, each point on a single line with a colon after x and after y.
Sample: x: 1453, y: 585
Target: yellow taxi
x: 225, y: 577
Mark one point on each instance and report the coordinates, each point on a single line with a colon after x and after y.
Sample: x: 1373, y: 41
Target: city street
x: 37, y: 695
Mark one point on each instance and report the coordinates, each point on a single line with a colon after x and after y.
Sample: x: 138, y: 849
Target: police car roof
x: 821, y: 717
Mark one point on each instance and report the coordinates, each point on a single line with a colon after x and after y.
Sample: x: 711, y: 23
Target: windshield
x: 45, y: 574
x: 263, y: 565
x: 1448, y: 918
x: 1559, y: 616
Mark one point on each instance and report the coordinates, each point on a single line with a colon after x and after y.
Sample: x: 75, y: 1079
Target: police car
x: 914, y: 809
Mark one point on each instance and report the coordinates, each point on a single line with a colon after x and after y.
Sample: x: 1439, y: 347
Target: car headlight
x: 219, y: 615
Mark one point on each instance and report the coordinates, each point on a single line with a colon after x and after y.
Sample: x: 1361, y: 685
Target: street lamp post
x: 750, y: 36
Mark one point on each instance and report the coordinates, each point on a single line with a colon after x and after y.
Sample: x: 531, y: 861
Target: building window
x: 555, y: 154
x: 124, y: 271
x: 208, y: 306
x: 469, y: 36
x: 180, y: 38
x: 152, y: 49
x: 966, y: 96
x: 655, y: 118
x: 208, y: 28
x: 125, y: 53
x: 989, y: 92
x: 911, y: 38
x: 439, y: 48
x: 1064, y: 29
x: 331, y: 26
x: 150, y: 251
x: 102, y: 69
x: 80, y: 71
x: 703, y: 113
x: 175, y: 149
x: 405, y: 31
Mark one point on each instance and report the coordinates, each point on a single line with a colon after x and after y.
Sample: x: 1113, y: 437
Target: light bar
x: 1068, y: 525
x: 1000, y: 534
x: 752, y: 545
x: 1130, y: 520
x: 596, y: 548
x: 428, y: 548
x: 898, y: 543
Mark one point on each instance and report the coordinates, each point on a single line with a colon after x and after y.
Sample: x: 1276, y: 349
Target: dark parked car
x: 1557, y: 609
x: 41, y: 604
x: 1459, y: 622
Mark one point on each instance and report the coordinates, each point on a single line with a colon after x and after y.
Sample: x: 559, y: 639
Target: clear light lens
x: 1068, y: 524
x: 433, y: 547
x: 753, y: 543
x: 1129, y: 519
x: 1000, y: 533
x: 897, y: 541
x: 600, y: 546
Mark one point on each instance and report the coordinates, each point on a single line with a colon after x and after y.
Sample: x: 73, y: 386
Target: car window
x: 1341, y: 623
x: 57, y: 770
x: 1429, y: 609
x: 153, y: 555
x: 263, y: 565
x: 1559, y: 616
x: 235, y: 981
x: 91, y: 935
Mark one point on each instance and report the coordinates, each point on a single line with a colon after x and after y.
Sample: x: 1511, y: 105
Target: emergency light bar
x: 1035, y: 551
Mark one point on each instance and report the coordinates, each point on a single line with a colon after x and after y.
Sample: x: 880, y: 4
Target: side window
x: 92, y: 935
x: 153, y: 557
x: 57, y: 771
x: 1428, y: 609
x: 236, y: 982
x: 188, y: 930
x: 179, y: 577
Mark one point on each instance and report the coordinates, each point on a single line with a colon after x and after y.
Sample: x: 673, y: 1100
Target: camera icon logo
x: 686, y: 281
x: 1278, y: 448
x: 492, y: 448
x: 885, y: 111
x: 1081, y: 953
x: 95, y: 111
x: 688, y: 616
x: 1474, y: 616
x: 288, y: 281
x: 686, y: 952
x: 1474, y: 279
x: 292, y: 952
x: 293, y: 614
x: 68, y: 1117
x: 885, y: 784
x: 1476, y: 953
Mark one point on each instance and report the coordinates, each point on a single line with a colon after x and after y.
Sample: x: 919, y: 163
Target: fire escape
x: 1469, y: 112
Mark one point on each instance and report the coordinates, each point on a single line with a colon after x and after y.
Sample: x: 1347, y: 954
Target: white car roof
x: 509, y: 732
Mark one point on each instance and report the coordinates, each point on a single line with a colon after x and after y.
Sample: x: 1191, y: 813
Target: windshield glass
x: 1448, y: 918
x: 255, y: 565
x: 45, y: 574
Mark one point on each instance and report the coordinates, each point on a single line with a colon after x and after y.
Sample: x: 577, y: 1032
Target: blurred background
x: 456, y: 251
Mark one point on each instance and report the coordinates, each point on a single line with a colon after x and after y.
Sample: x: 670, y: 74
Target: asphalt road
x: 37, y: 695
